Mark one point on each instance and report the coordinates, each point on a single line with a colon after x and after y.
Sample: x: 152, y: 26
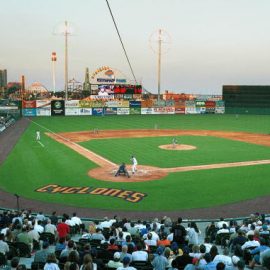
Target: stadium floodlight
x: 65, y: 29
x: 157, y: 39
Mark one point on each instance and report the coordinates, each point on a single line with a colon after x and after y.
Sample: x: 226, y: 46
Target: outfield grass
x: 209, y: 150
x: 31, y: 166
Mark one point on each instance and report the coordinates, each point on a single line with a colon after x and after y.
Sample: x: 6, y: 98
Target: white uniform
x: 134, y: 164
x: 38, y: 135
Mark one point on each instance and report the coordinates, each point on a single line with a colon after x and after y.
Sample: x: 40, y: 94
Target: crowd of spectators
x: 67, y: 243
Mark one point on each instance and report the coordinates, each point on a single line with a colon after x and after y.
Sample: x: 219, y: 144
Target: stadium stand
x: 111, y: 243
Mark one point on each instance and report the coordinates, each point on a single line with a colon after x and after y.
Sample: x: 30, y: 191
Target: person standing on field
x: 134, y: 164
x: 38, y: 135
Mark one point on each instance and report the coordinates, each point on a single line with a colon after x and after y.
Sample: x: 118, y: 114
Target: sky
x: 210, y: 43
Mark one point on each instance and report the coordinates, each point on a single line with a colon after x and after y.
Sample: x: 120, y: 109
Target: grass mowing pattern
x: 209, y: 150
x: 30, y: 166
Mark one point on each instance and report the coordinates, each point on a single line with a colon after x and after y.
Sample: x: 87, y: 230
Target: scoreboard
x: 249, y: 96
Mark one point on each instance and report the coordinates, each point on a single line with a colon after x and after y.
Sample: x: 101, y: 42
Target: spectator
x: 4, y: 248
x: 54, y: 218
x: 164, y: 241
x: 69, y: 248
x: 14, y: 263
x: 24, y: 238
x: 225, y: 258
x: 250, y: 243
x: 115, y: 263
x: 3, y: 263
x: 38, y: 226
x: 88, y: 263
x: 63, y: 229
x: 179, y: 233
x: 139, y: 255
x: 160, y: 262
x: 41, y: 255
x: 98, y: 235
x: 125, y: 253
x: 126, y: 262
x: 193, y: 234
x: 50, y: 228
x: 51, y: 263
x: 60, y: 245
x: 149, y: 241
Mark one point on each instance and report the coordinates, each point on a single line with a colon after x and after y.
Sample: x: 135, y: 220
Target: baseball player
x: 174, y: 142
x: 38, y: 135
x: 134, y: 164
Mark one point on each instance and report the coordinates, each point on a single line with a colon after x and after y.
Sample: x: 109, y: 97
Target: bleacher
x: 220, y: 239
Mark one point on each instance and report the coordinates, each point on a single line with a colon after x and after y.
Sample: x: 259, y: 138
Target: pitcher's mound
x: 177, y: 147
x: 143, y: 173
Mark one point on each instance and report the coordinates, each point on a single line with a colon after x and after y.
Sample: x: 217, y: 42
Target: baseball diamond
x: 74, y: 159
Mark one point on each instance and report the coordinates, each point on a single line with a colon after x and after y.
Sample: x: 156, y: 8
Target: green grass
x: 30, y: 166
x: 209, y: 150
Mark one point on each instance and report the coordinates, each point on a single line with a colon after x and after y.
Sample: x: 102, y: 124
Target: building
x: 3, y: 78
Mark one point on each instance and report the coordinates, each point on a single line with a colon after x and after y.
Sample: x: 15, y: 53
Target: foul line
x: 69, y: 143
x: 41, y: 143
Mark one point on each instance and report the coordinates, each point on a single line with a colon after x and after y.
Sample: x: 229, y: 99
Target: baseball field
x: 75, y: 161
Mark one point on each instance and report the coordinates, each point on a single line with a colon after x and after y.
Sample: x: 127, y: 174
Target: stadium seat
x: 23, y: 249
x: 49, y: 237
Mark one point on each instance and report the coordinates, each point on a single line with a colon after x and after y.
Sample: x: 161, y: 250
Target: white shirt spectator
x: 227, y: 260
x: 250, y: 244
x: 38, y: 228
x: 50, y: 228
x: 139, y: 255
x: 150, y: 242
x: 220, y: 224
x: 76, y: 220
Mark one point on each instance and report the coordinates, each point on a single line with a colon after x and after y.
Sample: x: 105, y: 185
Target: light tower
x: 156, y: 40
x: 53, y: 58
x: 65, y: 30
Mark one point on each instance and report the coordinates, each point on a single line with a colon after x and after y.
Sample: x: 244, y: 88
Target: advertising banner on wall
x: 110, y: 111
x: 43, y: 111
x: 160, y: 103
x: 57, y: 107
x: 137, y: 96
x: 29, y: 112
x: 135, y: 110
x: 210, y: 106
x: 91, y: 103
x: 98, y: 111
x: 29, y: 104
x: 123, y: 111
x: 190, y: 110
x: 200, y: 110
x: 220, y: 106
x: 117, y: 103
x: 128, y: 96
x: 72, y: 111
x: 43, y: 107
x: 85, y: 111
x: 146, y: 110
x: 163, y: 110
x: 72, y: 103
x: 179, y: 110
x: 148, y: 103
x: 134, y: 103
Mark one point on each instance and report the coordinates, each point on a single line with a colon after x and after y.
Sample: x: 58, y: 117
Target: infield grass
x: 30, y: 166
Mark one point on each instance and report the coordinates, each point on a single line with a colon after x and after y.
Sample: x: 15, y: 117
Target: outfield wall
x: 119, y: 107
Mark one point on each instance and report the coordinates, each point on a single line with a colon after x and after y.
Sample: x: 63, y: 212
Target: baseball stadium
x: 165, y: 169
x: 198, y: 158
